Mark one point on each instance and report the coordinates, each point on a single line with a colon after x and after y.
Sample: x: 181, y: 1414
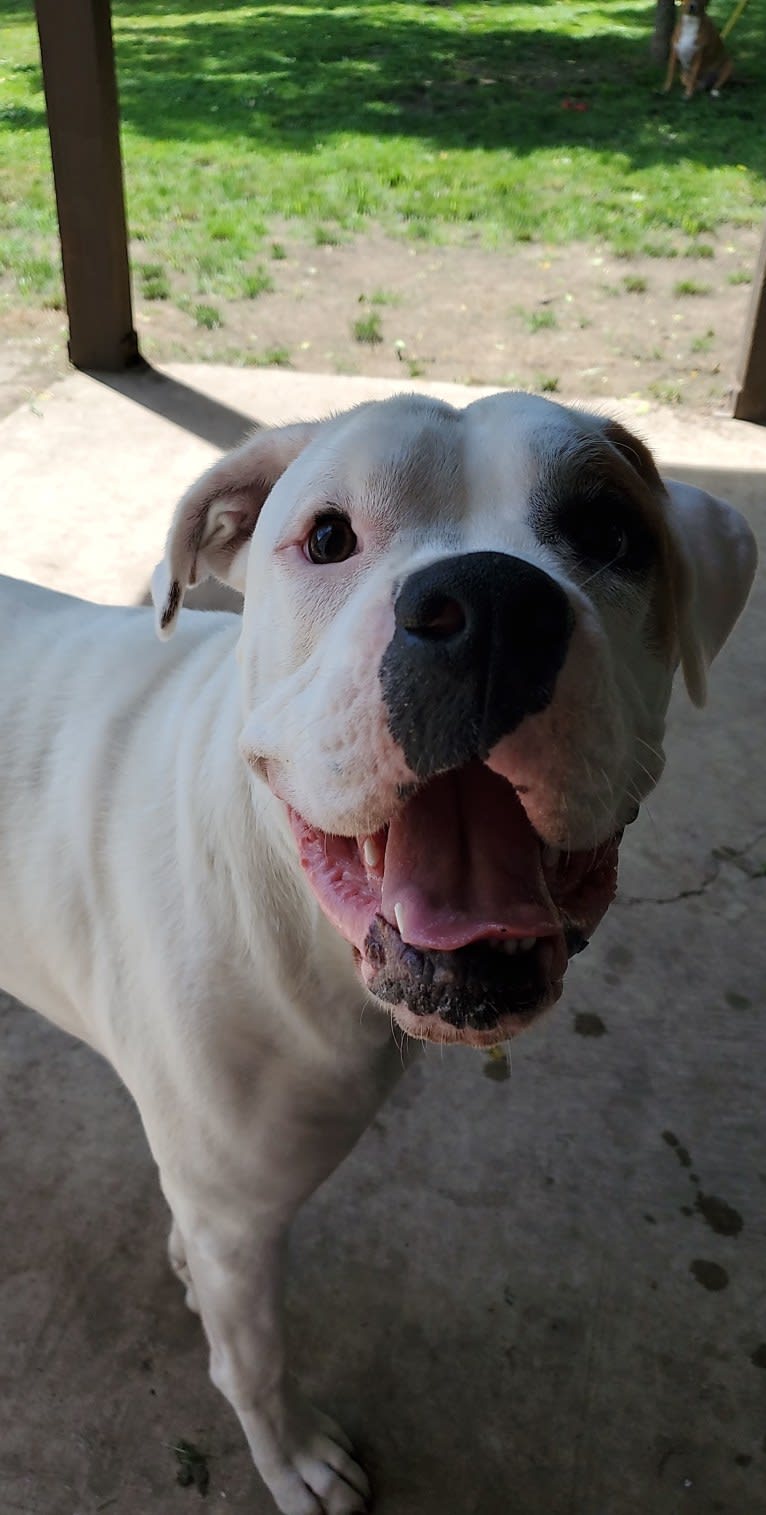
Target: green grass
x: 541, y: 320
x: 257, y: 283
x: 368, y: 329
x: 152, y: 281
x: 433, y: 122
x: 207, y: 316
x: 634, y: 284
x: 691, y: 287
x: 704, y: 344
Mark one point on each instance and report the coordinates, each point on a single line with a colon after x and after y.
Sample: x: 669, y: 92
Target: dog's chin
x: 461, y: 919
x: 479, y: 994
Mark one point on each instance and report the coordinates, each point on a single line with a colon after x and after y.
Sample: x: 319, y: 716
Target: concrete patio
x: 530, y: 1295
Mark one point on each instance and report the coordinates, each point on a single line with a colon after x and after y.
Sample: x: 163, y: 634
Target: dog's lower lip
x: 464, y: 934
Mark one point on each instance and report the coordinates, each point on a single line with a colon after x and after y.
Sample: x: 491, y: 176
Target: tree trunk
x: 664, y: 21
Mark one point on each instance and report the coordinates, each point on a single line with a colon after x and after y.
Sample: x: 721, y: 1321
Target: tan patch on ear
x: 635, y: 452
x: 670, y: 586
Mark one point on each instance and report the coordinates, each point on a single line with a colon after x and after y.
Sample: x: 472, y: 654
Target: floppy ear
x: 212, y: 526
x: 716, y: 558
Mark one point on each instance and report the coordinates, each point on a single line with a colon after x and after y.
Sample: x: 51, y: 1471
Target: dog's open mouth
x: 462, y: 919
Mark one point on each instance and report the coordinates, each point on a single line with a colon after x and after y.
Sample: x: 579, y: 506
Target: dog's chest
x: 687, y: 40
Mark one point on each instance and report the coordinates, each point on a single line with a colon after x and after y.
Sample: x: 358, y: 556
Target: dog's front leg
x: 670, y: 75
x: 237, y: 1271
x: 693, y: 76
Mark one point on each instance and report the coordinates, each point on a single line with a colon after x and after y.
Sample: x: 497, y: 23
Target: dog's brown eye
x: 600, y: 541
x: 607, y: 533
x: 331, y: 540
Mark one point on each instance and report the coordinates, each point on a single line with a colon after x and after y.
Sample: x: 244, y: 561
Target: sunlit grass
x: 433, y: 122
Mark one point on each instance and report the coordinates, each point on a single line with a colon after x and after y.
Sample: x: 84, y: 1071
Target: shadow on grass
x: 295, y: 74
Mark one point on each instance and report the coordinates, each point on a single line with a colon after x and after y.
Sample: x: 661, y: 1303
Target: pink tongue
x: 463, y: 862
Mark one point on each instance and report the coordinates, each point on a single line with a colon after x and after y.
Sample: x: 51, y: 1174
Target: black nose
x: 479, y: 642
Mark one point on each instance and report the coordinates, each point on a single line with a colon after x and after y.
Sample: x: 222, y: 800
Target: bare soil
x: 575, y: 321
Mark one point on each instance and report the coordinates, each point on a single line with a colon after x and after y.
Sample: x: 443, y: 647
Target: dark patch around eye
x: 602, y: 529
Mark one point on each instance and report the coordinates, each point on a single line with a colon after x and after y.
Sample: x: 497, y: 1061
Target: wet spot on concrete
x: 620, y: 957
x: 681, y: 1152
x: 686, y: 1210
x: 192, y: 1466
x: 651, y: 1220
x: 694, y: 1178
x: 612, y: 979
x: 710, y: 1274
x: 721, y: 1218
x: 758, y: 1359
x: 737, y: 1001
x: 588, y: 1024
x: 743, y: 1460
x: 497, y: 1065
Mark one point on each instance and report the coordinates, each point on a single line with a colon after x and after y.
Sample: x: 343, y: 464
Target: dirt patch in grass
x: 574, y: 321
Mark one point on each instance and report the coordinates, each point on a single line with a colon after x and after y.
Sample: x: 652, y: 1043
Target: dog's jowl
x: 397, y: 784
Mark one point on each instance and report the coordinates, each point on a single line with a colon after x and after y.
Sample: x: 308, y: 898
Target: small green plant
x: 415, y: 368
x: 367, y: 329
x: 383, y: 297
x: 278, y: 252
x: 325, y: 236
x: 154, y: 281
x: 690, y: 287
x: 704, y: 344
x: 207, y: 316
x: 35, y: 275
x: 548, y: 384
x: 271, y: 357
x: 667, y: 394
x: 740, y: 276
x: 258, y: 283
x: 700, y: 250
x: 276, y: 357
x: 541, y: 320
x: 634, y: 284
x: 654, y: 249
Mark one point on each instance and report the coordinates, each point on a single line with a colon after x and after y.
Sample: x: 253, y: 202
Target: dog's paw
x: 318, y: 1474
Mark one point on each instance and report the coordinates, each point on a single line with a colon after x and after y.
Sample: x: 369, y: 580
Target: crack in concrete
x: 735, y: 855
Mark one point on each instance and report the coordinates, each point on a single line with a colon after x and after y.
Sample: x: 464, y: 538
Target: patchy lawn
x: 337, y: 133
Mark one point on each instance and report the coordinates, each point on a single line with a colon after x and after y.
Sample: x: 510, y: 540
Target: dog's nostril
x: 436, y: 618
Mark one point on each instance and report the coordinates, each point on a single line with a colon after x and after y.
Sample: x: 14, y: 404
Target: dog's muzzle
x: 478, y: 645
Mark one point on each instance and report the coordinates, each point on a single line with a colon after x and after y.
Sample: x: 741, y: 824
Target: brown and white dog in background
x: 698, y: 46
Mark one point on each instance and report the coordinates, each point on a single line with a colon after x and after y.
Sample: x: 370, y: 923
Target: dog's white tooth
x: 371, y: 852
x: 527, y: 943
x: 399, y: 918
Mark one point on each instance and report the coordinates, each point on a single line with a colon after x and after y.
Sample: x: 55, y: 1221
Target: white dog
x: 396, y: 786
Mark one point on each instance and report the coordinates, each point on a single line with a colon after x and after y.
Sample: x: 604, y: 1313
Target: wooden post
x: 83, y: 122
x: 750, y: 387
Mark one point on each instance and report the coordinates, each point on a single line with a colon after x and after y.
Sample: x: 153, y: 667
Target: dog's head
x: 459, y: 635
x: 693, y: 7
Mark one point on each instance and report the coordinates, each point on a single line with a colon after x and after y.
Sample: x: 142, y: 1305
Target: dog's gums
x: 462, y: 920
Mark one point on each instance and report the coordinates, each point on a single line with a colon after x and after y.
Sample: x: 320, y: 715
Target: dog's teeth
x: 527, y: 943
x: 371, y: 852
x: 550, y: 856
x: 511, y: 946
x: 399, y: 918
